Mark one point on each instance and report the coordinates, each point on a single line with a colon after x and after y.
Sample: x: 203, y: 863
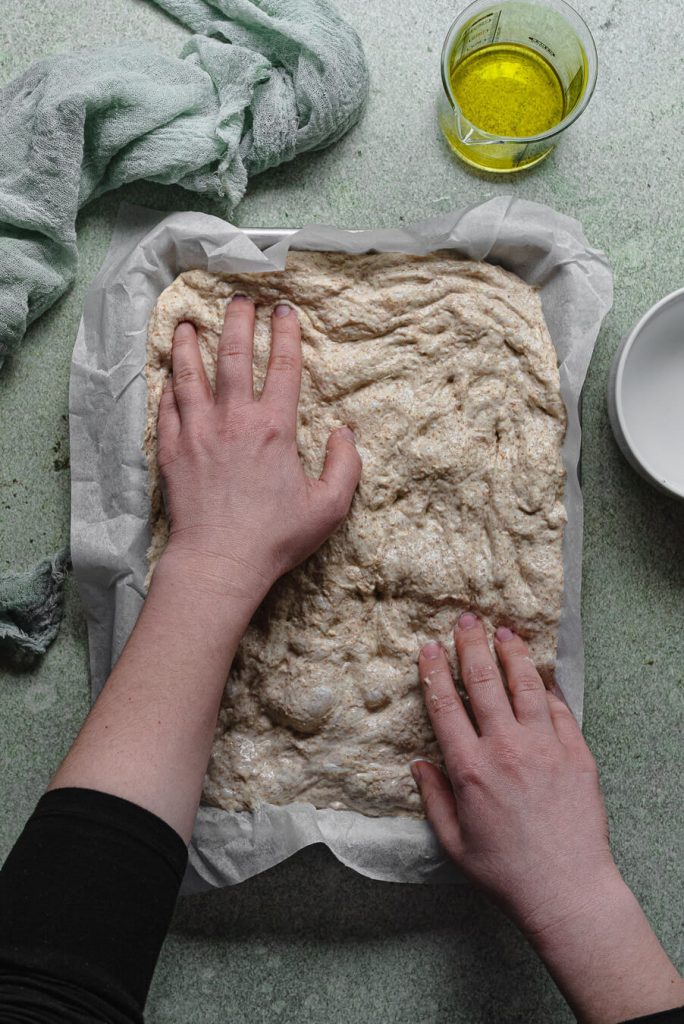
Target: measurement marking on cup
x: 481, y: 31
x: 538, y: 42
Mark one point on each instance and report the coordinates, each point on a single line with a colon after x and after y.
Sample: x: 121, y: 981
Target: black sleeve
x: 86, y: 897
x: 665, y: 1017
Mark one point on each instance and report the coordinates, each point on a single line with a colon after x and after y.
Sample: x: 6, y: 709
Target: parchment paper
x: 110, y: 505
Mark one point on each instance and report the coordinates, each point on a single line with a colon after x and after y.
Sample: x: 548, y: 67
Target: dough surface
x: 447, y: 373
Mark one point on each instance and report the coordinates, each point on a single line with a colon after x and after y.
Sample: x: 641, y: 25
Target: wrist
x: 224, y: 581
x: 606, y: 959
x: 575, y: 915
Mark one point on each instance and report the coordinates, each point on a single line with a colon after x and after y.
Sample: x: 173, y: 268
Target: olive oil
x: 508, y: 90
x: 515, y: 75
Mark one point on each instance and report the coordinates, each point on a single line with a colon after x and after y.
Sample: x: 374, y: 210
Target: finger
x: 284, y: 373
x: 190, y: 384
x: 341, y: 474
x: 526, y: 686
x: 234, y: 378
x: 450, y: 722
x: 481, y: 677
x: 169, y: 423
x: 563, y: 720
x: 440, y: 805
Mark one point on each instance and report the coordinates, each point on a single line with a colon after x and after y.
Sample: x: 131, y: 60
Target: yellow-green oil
x: 507, y: 90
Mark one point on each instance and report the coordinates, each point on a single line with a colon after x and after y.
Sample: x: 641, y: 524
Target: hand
x: 521, y: 812
x: 242, y: 511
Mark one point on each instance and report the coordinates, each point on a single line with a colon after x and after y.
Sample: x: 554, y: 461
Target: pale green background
x: 310, y: 941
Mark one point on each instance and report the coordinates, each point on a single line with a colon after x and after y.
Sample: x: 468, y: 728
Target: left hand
x: 242, y: 510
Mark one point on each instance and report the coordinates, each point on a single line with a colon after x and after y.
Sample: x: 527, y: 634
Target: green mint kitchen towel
x: 259, y: 82
x: 31, y: 606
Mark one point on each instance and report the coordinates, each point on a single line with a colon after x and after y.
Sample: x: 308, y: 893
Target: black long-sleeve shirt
x: 86, y: 898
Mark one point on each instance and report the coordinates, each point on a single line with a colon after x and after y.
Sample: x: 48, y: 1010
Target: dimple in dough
x: 448, y: 375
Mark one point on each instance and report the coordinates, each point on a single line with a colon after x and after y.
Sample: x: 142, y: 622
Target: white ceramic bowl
x: 646, y: 395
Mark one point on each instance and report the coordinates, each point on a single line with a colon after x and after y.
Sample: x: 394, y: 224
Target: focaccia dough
x: 447, y: 373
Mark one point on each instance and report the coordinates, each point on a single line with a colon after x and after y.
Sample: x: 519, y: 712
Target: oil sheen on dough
x: 446, y: 371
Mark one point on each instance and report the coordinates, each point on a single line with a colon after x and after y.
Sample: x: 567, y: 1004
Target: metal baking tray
x: 263, y: 237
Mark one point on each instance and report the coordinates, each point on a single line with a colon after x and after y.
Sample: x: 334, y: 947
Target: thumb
x: 169, y: 422
x: 440, y: 805
x: 341, y: 474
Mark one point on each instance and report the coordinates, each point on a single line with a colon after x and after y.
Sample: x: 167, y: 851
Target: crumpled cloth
x: 260, y: 82
x: 31, y: 605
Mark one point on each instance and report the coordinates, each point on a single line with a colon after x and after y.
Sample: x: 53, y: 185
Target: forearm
x: 148, y: 737
x: 607, y: 961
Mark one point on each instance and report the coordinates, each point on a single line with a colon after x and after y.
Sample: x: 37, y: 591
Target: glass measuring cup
x: 527, y: 65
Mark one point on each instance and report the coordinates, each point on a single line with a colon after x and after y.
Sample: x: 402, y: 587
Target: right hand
x: 521, y: 812
x: 241, y: 509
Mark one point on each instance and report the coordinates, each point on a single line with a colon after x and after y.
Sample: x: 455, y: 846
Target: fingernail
x: 431, y: 650
x: 503, y: 633
x: 239, y: 296
x: 347, y: 433
x: 282, y: 309
x: 415, y: 766
x: 467, y: 621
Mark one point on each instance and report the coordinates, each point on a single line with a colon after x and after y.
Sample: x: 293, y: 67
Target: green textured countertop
x: 310, y: 941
